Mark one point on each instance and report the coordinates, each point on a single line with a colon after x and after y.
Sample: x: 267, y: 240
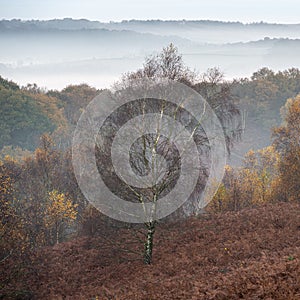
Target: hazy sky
x: 282, y: 11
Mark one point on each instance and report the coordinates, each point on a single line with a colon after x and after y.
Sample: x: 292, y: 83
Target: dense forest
x: 42, y: 205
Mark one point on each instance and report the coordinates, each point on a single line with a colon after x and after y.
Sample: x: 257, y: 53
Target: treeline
x: 29, y: 112
x: 73, y: 24
x: 264, y: 94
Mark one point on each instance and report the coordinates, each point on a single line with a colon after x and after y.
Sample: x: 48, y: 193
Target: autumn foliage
x: 267, y: 175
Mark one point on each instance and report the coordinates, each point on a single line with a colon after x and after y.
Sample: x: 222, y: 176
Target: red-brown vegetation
x: 251, y: 254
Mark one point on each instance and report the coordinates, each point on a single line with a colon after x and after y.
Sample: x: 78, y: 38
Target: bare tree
x: 155, y: 156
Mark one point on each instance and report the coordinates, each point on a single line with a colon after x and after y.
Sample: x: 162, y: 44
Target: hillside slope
x: 252, y: 254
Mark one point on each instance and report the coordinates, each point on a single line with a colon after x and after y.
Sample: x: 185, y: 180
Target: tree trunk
x: 57, y: 232
x: 149, y: 243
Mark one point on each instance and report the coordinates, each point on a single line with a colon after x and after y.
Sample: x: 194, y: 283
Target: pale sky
x: 282, y: 11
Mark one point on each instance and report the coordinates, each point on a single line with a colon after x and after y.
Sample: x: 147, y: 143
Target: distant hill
x: 197, y: 31
x: 56, y: 53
